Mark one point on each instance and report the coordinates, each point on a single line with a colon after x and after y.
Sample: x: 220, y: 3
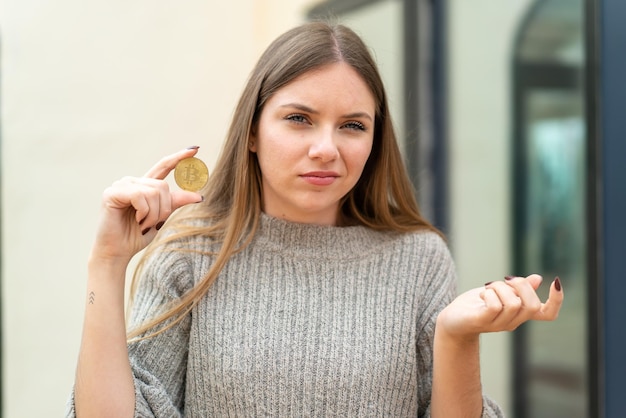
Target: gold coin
x: 191, y: 174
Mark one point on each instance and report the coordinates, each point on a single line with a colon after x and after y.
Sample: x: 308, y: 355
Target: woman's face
x: 313, y: 139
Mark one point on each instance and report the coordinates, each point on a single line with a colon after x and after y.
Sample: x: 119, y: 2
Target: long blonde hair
x: 382, y: 199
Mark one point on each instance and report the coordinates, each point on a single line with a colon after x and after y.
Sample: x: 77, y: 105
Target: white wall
x: 92, y: 91
x: 481, y: 40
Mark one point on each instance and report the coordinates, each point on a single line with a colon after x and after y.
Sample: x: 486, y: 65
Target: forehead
x: 336, y: 81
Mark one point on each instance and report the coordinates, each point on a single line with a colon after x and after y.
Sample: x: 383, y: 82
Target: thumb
x: 182, y: 198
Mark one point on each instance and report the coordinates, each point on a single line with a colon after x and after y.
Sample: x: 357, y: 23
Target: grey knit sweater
x: 306, y: 321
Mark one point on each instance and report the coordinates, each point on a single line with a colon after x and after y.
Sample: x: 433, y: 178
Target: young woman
x: 303, y: 281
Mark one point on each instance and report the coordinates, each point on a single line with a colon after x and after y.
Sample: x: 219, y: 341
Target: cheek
x: 275, y: 157
x: 358, y: 156
x: 277, y: 147
x: 266, y: 147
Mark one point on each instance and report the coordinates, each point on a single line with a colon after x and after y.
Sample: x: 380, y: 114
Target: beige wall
x: 481, y: 40
x: 92, y: 91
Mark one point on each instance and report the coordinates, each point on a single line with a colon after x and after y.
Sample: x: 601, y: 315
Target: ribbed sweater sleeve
x: 159, y: 363
x: 441, y: 284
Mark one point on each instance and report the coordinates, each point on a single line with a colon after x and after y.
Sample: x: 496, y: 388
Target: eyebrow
x: 307, y: 109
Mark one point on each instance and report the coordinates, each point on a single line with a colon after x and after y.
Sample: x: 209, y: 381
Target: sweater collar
x: 318, y: 241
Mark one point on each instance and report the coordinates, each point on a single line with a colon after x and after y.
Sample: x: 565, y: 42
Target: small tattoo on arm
x: 92, y: 297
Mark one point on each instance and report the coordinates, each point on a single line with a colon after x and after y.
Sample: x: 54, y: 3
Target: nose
x: 324, y: 147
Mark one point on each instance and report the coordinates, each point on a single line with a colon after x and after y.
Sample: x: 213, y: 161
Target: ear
x: 252, y: 143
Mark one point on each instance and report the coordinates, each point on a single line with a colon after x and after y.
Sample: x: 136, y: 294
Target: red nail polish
x: 145, y: 231
x: 193, y: 147
x: 488, y: 283
x: 557, y: 284
x: 159, y: 225
x: 509, y: 277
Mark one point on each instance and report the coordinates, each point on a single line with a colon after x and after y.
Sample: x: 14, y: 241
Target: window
x: 550, y: 231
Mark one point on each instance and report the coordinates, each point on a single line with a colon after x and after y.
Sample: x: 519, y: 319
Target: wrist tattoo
x: 92, y: 297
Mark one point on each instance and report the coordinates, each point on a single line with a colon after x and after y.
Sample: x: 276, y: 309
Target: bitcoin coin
x: 191, y: 174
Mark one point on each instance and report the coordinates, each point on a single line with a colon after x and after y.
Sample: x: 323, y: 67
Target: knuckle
x: 494, y: 310
x: 108, y: 192
x: 163, y: 186
x: 512, y: 308
x: 151, y: 193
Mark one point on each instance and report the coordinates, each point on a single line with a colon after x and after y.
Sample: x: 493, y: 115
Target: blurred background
x: 490, y: 100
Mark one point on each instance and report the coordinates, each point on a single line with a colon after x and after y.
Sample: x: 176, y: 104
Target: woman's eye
x: 296, y: 118
x: 357, y: 126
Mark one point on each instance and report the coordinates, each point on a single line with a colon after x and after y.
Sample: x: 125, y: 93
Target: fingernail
x: 193, y: 147
x: 557, y: 284
x: 145, y: 231
x: 509, y: 277
x: 159, y: 225
x: 201, y: 199
x: 488, y: 283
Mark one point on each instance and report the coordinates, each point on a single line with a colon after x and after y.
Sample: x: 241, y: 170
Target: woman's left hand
x: 500, y: 306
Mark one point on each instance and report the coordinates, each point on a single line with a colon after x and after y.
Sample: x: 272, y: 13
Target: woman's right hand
x: 134, y: 208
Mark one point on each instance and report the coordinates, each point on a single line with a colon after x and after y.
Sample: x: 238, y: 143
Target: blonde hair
x: 382, y: 199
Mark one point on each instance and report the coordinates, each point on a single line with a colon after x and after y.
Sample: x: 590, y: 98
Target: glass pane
x: 554, y: 244
x: 554, y: 34
x: 551, y: 234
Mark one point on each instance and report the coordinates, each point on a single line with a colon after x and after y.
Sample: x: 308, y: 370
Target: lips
x: 320, y: 178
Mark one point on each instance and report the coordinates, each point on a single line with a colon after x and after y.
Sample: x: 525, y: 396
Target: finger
x: 165, y: 205
x: 153, y: 197
x: 525, y: 288
x: 126, y: 194
x: 161, y: 169
x: 493, y: 303
x: 134, y: 198
x: 534, y: 279
x: 142, y: 208
x: 507, y: 293
x: 550, y: 309
x: 168, y: 201
x: 149, y: 197
x: 181, y: 198
x: 159, y: 202
x: 507, y: 319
